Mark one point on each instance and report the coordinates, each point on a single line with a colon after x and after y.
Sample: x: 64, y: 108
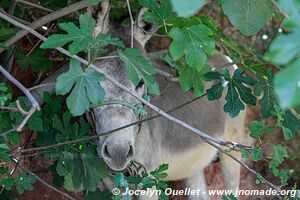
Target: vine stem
x: 205, y: 137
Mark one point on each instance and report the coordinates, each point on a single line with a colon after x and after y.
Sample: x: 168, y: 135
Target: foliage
x: 36, y: 60
x: 153, y: 179
x: 186, y: 9
x: 240, y: 14
x: 287, y: 82
x: 86, y: 90
x: 195, y: 41
x: 271, y: 79
x: 237, y: 92
x: 139, y: 68
x: 81, y: 38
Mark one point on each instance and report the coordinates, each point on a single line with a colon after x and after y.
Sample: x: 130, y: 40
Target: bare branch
x: 41, y: 85
x: 20, y: 86
x: 41, y: 180
x: 167, y: 75
x: 34, y: 5
x: 34, y: 104
x: 9, y: 108
x: 46, y: 19
x: 131, y: 22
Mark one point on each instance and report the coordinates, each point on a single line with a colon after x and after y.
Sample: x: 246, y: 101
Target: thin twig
x: 37, y: 44
x: 41, y: 85
x: 167, y: 75
x: 20, y: 108
x: 34, y: 5
x: 41, y: 180
x: 131, y: 22
x: 27, y: 117
x: 9, y: 108
x: 207, y: 138
x: 46, y: 19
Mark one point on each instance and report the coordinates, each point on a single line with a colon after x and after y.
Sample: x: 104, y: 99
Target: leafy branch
x: 210, y: 140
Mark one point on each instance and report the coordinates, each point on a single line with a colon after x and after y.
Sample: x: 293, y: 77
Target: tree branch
x: 41, y: 180
x: 46, y: 19
x: 34, y: 5
x: 131, y: 22
x: 34, y: 104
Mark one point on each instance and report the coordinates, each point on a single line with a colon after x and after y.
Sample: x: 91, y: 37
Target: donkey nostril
x: 106, y: 153
x: 130, y: 152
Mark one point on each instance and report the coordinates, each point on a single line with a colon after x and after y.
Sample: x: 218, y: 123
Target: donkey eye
x: 148, y: 27
x: 141, y: 83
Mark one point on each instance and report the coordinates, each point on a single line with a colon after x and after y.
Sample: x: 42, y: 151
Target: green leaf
x: 7, y: 183
x: 84, y: 86
x: 81, y: 38
x: 288, y: 122
x: 245, y: 154
x: 257, y: 128
x: 259, y: 179
x: 159, y: 14
x: 138, y: 68
x: 237, y: 92
x: 268, y: 101
x: 94, y: 2
x: 292, y: 9
x: 191, y: 78
x: 187, y: 8
x: 229, y: 197
x: 36, y: 122
x: 195, y: 42
x: 257, y: 154
x: 24, y: 182
x: 283, y: 176
x: 14, y: 137
x: 5, y: 94
x: 6, y: 33
x: 248, y: 16
x: 159, y: 172
x: 4, y: 156
x: 215, y: 92
x: 279, y: 152
x: 284, y: 48
x: 287, y: 85
x: 36, y: 60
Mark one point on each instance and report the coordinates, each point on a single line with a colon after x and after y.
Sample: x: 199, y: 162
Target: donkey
x: 161, y: 141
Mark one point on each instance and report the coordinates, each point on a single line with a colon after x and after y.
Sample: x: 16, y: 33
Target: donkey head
x: 117, y: 149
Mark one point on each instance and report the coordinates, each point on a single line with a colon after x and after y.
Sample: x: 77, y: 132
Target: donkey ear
x: 101, y: 14
x: 142, y: 30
